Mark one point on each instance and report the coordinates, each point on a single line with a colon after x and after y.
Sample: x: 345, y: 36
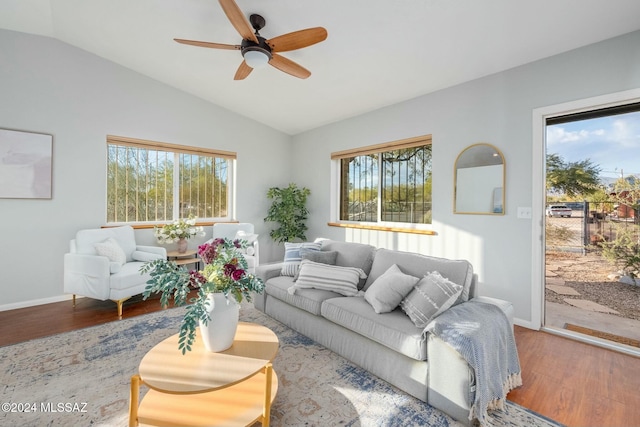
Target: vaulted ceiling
x: 378, y: 52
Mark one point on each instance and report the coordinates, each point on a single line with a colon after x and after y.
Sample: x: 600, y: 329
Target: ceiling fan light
x: 256, y: 58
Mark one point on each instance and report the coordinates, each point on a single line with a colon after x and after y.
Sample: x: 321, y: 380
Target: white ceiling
x: 378, y: 52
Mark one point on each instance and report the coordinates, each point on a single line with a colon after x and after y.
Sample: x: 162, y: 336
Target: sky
x: 612, y: 143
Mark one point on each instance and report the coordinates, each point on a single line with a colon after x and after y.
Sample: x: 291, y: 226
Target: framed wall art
x: 25, y: 165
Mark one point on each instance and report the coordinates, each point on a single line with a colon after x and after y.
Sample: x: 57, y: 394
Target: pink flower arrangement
x: 225, y: 270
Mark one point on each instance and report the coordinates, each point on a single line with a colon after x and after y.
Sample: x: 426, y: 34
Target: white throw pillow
x: 389, y: 289
x: 112, y: 250
x: 315, y: 275
x: 429, y: 298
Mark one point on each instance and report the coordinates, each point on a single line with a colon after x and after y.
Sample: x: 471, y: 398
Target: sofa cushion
x: 352, y: 255
x: 388, y: 290
x: 458, y: 271
x: 394, y: 330
x: 114, y: 267
x: 429, y: 298
x: 292, y: 256
x: 315, y: 275
x: 128, y: 277
x: 305, y: 299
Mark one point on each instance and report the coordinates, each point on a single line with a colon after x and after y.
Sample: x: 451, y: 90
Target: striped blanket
x: 481, y: 333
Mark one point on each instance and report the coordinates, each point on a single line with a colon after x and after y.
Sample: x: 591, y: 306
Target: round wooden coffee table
x: 234, y: 387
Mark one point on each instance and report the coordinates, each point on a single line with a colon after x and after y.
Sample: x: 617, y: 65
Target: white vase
x: 218, y: 334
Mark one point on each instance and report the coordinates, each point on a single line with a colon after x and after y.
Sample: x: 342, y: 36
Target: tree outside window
x: 161, y: 182
x: 387, y: 185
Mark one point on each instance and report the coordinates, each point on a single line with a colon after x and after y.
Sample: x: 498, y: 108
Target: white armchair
x: 241, y: 230
x: 104, y: 264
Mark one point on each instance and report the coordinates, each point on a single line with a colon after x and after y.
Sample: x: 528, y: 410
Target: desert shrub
x: 624, y: 250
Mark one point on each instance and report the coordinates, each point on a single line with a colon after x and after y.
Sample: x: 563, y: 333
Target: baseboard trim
x: 34, y: 302
x: 525, y: 324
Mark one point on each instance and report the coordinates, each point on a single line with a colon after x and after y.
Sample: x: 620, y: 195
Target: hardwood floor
x: 573, y: 383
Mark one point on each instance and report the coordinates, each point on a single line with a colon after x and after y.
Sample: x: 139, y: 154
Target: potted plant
x: 289, y: 211
x: 221, y: 285
x: 178, y: 231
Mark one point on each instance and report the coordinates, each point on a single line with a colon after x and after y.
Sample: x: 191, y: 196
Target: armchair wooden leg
x: 74, y: 300
x: 119, y: 302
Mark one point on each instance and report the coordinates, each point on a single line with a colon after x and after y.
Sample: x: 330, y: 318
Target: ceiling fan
x: 258, y: 51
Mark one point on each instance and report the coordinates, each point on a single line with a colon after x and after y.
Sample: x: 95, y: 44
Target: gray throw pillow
x: 389, y: 289
x: 429, y: 298
x: 323, y: 257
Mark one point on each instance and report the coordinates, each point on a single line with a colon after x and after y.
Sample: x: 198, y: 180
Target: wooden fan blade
x: 209, y: 44
x: 238, y: 20
x: 288, y: 66
x: 297, y: 39
x: 243, y: 71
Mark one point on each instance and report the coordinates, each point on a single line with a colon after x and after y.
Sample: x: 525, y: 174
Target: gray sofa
x: 389, y: 345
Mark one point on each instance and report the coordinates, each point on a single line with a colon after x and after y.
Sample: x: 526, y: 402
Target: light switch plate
x: 524, y: 212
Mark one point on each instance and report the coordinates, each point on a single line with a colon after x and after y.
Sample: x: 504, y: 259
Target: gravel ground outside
x: 595, y: 279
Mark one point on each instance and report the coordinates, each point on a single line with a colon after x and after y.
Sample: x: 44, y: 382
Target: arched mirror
x: 479, y: 181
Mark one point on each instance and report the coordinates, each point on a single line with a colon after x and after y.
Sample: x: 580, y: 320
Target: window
x: 153, y: 181
x: 386, y: 183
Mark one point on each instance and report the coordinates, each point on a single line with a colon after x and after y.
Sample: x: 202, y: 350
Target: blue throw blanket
x: 481, y: 333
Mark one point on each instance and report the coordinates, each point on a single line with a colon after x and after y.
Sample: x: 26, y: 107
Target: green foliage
x: 171, y: 281
x: 624, y: 250
x: 288, y: 209
x: 571, y: 178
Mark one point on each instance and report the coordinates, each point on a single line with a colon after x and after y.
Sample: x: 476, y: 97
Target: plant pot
x: 218, y: 334
x: 182, y: 246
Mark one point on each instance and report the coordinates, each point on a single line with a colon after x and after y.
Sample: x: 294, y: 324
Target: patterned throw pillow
x: 292, y: 256
x: 429, y: 298
x: 389, y: 289
x: 342, y: 280
x: 112, y: 250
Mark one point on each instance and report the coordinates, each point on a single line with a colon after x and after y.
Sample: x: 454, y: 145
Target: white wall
x: 50, y: 87
x: 498, y: 110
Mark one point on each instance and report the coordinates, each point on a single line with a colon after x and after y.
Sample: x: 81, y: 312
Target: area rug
x: 82, y: 378
x: 603, y: 335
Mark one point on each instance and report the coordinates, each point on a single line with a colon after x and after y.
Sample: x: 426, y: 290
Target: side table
x: 234, y: 387
x: 185, y: 258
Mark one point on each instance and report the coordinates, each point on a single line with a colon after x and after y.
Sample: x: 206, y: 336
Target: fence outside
x: 590, y: 223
